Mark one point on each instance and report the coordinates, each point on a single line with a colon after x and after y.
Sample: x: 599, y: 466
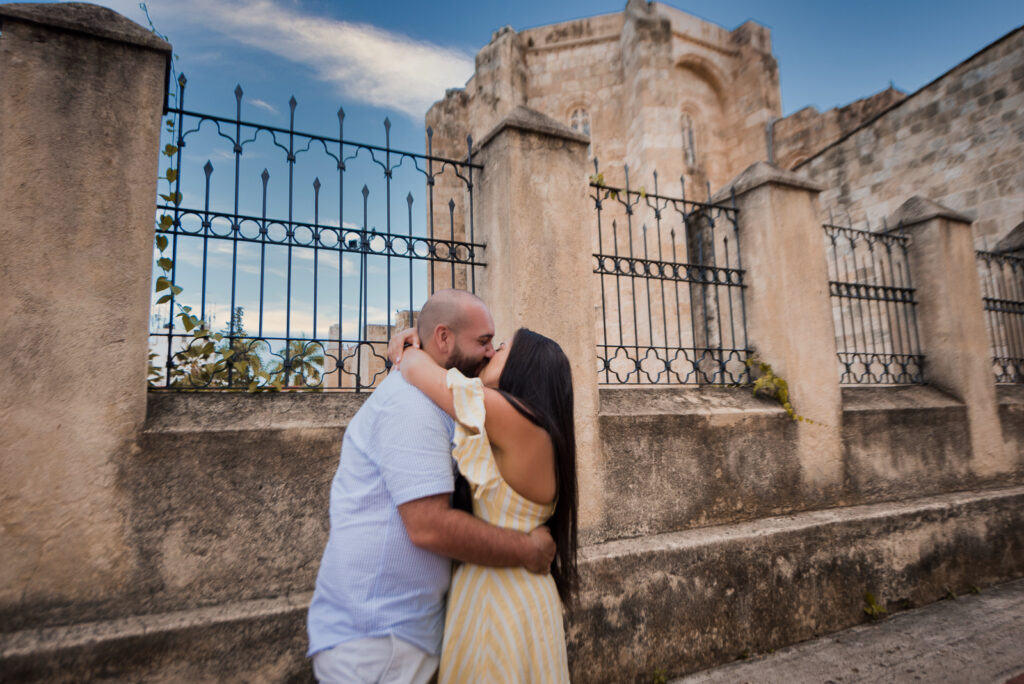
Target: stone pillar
x: 951, y: 323
x: 533, y: 216
x: 789, y: 312
x: 81, y: 97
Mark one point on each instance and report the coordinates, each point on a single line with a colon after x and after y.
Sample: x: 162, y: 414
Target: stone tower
x: 654, y: 87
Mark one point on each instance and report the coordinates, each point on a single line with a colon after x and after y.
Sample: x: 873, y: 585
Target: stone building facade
x: 805, y: 133
x: 653, y: 87
x: 658, y: 89
x: 958, y: 140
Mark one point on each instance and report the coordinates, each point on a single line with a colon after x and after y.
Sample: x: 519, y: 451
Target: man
x: 377, y: 614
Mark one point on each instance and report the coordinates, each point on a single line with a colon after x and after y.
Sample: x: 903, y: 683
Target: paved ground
x: 976, y: 639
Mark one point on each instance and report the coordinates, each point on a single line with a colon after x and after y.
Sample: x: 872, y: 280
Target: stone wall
x: 710, y: 545
x: 807, y: 132
x: 958, y: 140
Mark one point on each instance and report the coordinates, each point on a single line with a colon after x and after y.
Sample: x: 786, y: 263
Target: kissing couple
x: 388, y: 606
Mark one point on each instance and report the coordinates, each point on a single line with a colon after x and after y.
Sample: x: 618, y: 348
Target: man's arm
x: 433, y: 525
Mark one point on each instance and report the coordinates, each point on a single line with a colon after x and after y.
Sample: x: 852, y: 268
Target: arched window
x: 689, y: 141
x: 579, y: 121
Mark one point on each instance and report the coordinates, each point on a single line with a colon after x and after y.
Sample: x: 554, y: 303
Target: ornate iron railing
x: 1002, y: 289
x: 873, y: 307
x: 671, y: 288
x: 309, y: 277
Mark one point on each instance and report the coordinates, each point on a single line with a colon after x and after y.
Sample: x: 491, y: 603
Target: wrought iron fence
x: 671, y: 287
x: 308, y: 275
x: 1002, y: 289
x: 873, y: 306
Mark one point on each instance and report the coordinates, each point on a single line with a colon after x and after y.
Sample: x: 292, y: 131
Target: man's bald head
x: 449, y: 308
x: 456, y: 329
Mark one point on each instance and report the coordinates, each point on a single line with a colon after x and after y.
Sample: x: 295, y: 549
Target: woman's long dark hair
x: 538, y: 383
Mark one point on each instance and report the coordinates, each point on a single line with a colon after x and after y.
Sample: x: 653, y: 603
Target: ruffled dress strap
x: 472, y: 448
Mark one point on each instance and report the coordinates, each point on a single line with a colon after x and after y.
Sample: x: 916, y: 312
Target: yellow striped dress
x: 502, y: 624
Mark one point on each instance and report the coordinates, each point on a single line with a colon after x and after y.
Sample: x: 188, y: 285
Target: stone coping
x: 49, y: 639
x: 796, y: 522
x: 232, y: 411
x: 919, y: 209
x: 532, y: 121
x: 85, y: 18
x: 896, y: 398
x: 762, y: 173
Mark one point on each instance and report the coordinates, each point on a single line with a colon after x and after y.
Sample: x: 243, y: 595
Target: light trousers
x: 375, y: 660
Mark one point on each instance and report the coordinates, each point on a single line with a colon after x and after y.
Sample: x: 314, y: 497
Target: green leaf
x: 165, y: 298
x: 165, y: 220
x: 161, y: 244
x: 162, y: 283
x: 165, y: 264
x: 172, y: 175
x: 170, y: 150
x: 187, y: 321
x: 175, y: 289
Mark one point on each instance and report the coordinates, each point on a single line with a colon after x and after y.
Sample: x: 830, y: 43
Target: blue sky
x: 394, y: 59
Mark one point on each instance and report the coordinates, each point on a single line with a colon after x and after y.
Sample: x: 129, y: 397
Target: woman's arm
x: 423, y: 373
x: 502, y: 421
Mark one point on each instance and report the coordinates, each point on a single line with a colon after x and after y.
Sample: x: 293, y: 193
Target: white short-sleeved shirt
x: 373, y: 581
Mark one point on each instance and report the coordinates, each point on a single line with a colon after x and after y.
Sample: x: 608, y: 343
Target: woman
x: 516, y: 445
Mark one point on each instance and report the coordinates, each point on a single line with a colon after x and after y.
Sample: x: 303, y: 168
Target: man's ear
x: 443, y: 339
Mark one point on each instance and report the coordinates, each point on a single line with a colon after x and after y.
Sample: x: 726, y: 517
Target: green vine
x: 227, y: 359
x: 597, y: 179
x: 768, y: 384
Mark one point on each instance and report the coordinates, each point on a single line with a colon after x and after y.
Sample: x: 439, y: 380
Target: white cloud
x: 256, y: 102
x: 363, y: 62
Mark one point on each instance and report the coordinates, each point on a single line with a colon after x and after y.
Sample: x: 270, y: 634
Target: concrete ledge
x: 170, y: 412
x: 688, y: 600
x: 261, y: 640
x: 1011, y: 417
x: 904, y: 442
x: 681, y: 458
x: 226, y: 500
x: 678, y: 602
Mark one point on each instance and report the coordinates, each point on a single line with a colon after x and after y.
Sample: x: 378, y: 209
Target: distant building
x: 659, y: 89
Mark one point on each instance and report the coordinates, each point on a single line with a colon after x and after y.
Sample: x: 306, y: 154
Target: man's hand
x: 544, y: 551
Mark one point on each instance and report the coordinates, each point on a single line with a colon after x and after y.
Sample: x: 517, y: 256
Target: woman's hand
x: 398, y: 343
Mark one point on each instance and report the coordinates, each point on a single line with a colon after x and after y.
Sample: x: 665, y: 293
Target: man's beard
x: 467, y: 365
